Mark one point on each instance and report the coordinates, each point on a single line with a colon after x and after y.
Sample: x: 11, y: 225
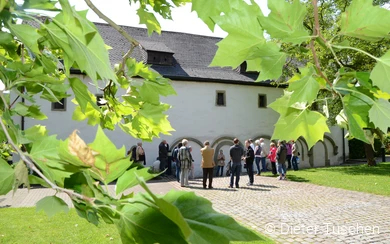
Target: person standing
x: 258, y: 156
x: 249, y: 157
x: 289, y: 154
x: 192, y: 169
x: 295, y: 152
x: 236, y: 154
x: 281, y: 154
x: 163, y: 155
x: 272, y: 157
x: 185, y: 161
x: 140, y: 154
x: 251, y: 143
x: 263, y: 155
x: 221, y: 163
x: 207, y: 164
x: 175, y: 157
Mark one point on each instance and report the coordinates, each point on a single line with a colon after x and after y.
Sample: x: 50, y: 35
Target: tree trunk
x: 369, y: 154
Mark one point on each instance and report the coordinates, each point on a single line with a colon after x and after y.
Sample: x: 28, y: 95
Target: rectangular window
x: 262, y: 101
x: 59, y: 106
x: 220, y: 99
x: 98, y: 100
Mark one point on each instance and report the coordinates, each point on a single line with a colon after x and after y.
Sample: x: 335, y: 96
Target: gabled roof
x: 192, y: 53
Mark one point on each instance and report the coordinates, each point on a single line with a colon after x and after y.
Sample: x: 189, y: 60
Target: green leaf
x: 81, y: 43
x: 268, y: 60
x: 21, y: 176
x: 82, y: 94
x: 34, y: 133
x: 34, y: 180
x: 208, y: 9
x: 286, y: 21
x: 32, y: 111
x: 149, y: 20
x: 207, y: 225
x: 52, y: 205
x: 48, y: 5
x: 129, y: 179
x: 7, y: 177
x: 110, y: 162
x: 365, y: 21
x: 380, y: 75
x: 356, y: 111
x: 26, y: 34
x: 304, y: 87
x: 5, y: 38
x: 244, y: 35
x: 380, y: 114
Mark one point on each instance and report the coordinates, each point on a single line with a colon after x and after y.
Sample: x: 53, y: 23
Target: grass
x: 375, y: 180
x: 25, y: 225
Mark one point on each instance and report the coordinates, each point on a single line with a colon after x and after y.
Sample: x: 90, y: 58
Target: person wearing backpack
x: 281, y: 155
x: 175, y: 157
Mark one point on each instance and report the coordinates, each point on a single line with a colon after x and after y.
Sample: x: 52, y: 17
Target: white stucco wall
x: 193, y: 114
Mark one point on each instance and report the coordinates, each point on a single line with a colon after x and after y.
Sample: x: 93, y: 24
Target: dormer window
x: 158, y: 53
x: 160, y: 58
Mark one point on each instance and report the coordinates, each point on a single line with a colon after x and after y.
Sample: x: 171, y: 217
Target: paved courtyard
x: 288, y: 212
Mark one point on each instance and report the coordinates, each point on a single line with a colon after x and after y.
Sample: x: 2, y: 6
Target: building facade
x: 214, y: 104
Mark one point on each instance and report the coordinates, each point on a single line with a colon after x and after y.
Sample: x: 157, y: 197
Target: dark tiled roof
x: 192, y: 54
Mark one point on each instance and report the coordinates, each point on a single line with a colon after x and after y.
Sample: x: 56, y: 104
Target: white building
x: 212, y: 104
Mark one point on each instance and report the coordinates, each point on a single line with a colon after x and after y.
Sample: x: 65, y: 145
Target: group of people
x: 253, y: 154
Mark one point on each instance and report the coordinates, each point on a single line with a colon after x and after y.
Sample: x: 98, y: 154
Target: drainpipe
x: 343, y: 145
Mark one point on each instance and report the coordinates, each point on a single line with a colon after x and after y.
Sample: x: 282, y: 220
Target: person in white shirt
x: 263, y: 155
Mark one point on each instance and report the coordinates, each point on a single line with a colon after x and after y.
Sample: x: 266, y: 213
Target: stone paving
x: 287, y: 212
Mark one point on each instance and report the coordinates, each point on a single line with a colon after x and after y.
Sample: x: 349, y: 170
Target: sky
x: 184, y: 20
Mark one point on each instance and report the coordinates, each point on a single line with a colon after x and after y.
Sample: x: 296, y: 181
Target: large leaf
x: 380, y: 114
x: 21, y: 176
x: 304, y: 87
x: 147, y: 18
x: 309, y: 124
x: 82, y: 94
x: 52, y: 205
x: 365, y: 21
x: 268, y: 60
x: 380, y: 75
x: 81, y: 42
x: 129, y: 179
x: 32, y: 111
x: 7, y: 177
x: 208, y: 9
x: 26, y: 34
x: 48, y: 5
x: 244, y: 34
x: 286, y: 21
x: 356, y: 110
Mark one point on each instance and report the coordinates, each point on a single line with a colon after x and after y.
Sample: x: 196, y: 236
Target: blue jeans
x: 263, y: 164
x: 178, y: 171
x: 235, y: 171
x: 257, y: 161
x: 295, y: 162
x: 281, y: 168
x: 219, y: 168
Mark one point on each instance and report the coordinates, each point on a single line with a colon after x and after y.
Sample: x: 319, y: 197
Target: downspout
x: 343, y: 145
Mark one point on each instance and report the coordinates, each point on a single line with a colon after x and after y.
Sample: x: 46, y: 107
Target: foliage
x: 323, y: 49
x: 36, y: 55
x: 360, y: 178
x: 356, y: 148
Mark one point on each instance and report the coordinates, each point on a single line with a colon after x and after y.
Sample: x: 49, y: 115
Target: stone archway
x: 327, y: 161
x: 177, y: 141
x: 334, y: 145
x: 223, y: 141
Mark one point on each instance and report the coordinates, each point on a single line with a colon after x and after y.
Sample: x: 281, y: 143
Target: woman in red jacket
x: 272, y: 157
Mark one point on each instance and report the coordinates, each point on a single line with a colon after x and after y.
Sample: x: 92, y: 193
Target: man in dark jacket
x: 281, y: 155
x: 249, y: 157
x: 163, y: 155
x: 236, y: 154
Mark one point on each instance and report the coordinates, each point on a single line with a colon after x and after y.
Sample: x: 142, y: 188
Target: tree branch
x: 317, y: 33
x: 30, y: 164
x: 112, y: 23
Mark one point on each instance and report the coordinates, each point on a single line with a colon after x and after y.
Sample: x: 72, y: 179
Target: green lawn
x: 362, y: 178
x: 25, y: 225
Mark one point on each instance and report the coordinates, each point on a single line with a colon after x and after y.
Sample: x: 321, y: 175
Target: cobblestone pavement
x: 288, y: 212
